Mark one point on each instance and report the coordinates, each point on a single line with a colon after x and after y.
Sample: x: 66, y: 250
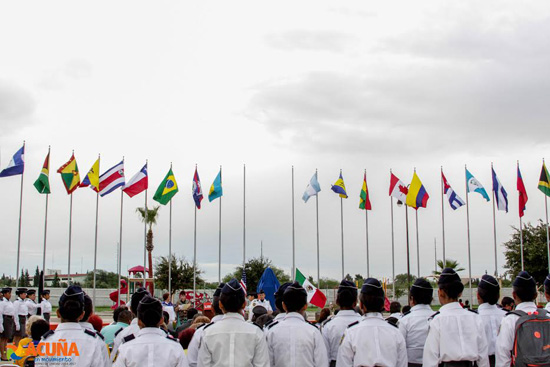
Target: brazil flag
x: 167, y: 189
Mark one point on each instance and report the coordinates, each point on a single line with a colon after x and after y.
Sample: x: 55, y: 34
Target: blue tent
x: 270, y: 284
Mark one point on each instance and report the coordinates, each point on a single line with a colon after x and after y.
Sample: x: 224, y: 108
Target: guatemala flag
x: 501, y: 196
x: 454, y: 200
x: 474, y: 185
x: 16, y: 165
x: 312, y: 188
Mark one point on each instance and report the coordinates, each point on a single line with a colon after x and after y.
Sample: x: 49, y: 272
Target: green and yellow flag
x: 544, y: 181
x: 167, y: 189
x: 70, y: 175
x: 42, y: 184
x: 92, y: 178
x: 364, y: 201
x: 339, y: 187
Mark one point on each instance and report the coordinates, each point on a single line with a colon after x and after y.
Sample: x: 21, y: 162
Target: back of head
x: 422, y: 292
x: 279, y: 297
x: 166, y: 297
x: 96, y: 321
x: 150, y: 311
x: 395, y: 307
x: 31, y: 320
x: 191, y: 313
x: 125, y: 316
x: 488, y: 289
x: 264, y: 319
x: 88, y: 308
x: 232, y: 296
x: 216, y: 299
x: 71, y: 304
x: 166, y: 317
x: 136, y: 298
x: 372, y: 295
x: 450, y: 283
x: 295, y: 297
x: 199, y: 321
x: 507, y: 301
x: 324, y: 314
x: 39, y: 328
x: 525, y: 287
x: 405, y: 309
x: 547, y: 284
x: 186, y: 336
x: 346, y: 296
x: 117, y: 312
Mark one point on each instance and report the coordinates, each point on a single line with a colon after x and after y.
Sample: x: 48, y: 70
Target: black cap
x: 281, y: 290
x: 73, y: 292
x: 261, y: 291
x: 448, y: 275
x: 218, y: 290
x: 6, y: 290
x: 21, y: 290
x: 30, y: 292
x: 547, y: 281
x: 45, y: 291
x: 149, y: 303
x: 489, y: 283
x: 372, y: 287
x: 259, y: 310
x: 421, y: 287
x: 232, y: 287
x: 295, y: 288
x: 525, y: 280
x: 346, y: 285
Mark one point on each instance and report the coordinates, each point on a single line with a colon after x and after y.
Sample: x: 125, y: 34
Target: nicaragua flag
x: 16, y: 165
x: 197, y: 189
x: 138, y: 183
x: 454, y: 200
x: 312, y: 188
x: 339, y: 187
x: 112, y: 179
x: 501, y: 196
x: 474, y: 185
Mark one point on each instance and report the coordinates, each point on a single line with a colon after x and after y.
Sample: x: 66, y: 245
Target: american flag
x: 243, y: 281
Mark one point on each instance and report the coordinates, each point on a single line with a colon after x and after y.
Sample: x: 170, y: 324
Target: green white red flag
x: 314, y: 296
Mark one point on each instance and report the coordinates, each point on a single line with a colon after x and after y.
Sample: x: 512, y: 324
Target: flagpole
x: 442, y: 216
x: 342, y: 228
x: 435, y: 255
x: 521, y: 233
x: 468, y: 231
x: 220, y: 235
x: 417, y: 245
x: 120, y: 243
x: 408, y: 248
x: 46, y: 223
x: 195, y: 259
x: 244, y: 216
x: 20, y: 216
x: 95, y: 239
x: 392, y: 248
x: 547, y: 230
x: 70, y: 239
x: 367, y: 230
x: 318, y: 252
x: 494, y: 228
x: 293, y: 233
x: 145, y: 239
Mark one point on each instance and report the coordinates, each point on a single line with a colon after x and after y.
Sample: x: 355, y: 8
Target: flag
x: 417, y: 197
x: 364, y: 201
x: 339, y: 187
x: 70, y: 175
x: 312, y: 188
x: 522, y: 194
x: 167, y: 189
x: 243, y: 281
x: 314, y: 296
x: 501, y: 196
x: 544, y: 181
x: 112, y: 179
x: 454, y: 200
x: 92, y: 177
x: 16, y: 165
x: 216, y: 189
x: 138, y: 183
x: 475, y: 186
x: 42, y: 183
x: 197, y: 189
x: 398, y: 189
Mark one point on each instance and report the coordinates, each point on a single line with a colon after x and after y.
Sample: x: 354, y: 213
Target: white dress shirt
x: 505, y: 339
x: 32, y: 307
x: 20, y: 309
x: 414, y: 328
x: 372, y: 342
x: 193, y: 348
x: 265, y: 303
x: 169, y: 307
x: 92, y: 351
x: 233, y: 342
x: 2, y: 315
x: 333, y: 330
x: 151, y: 348
x: 133, y: 328
x: 8, y: 308
x: 456, y: 334
x: 46, y: 306
x: 492, y: 317
x: 294, y: 342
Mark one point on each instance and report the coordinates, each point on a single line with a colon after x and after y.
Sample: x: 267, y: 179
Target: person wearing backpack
x: 525, y: 332
x: 488, y: 293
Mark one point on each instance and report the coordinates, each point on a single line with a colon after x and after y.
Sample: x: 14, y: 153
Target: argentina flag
x: 501, y: 196
x: 454, y: 200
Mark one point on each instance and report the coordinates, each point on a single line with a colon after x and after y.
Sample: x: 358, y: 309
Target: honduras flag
x: 16, y: 165
x: 501, y: 196
x: 474, y: 185
x: 312, y: 188
x: 454, y: 200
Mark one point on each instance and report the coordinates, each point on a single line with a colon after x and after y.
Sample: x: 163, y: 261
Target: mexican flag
x: 314, y: 296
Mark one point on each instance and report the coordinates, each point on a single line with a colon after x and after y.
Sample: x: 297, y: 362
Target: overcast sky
x: 317, y: 85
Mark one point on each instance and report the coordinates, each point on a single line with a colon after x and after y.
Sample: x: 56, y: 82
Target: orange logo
x: 47, y: 349
x: 537, y: 335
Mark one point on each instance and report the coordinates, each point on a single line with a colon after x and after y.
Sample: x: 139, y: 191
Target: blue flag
x: 16, y: 165
x: 312, y: 189
x: 501, y: 196
x: 216, y: 189
x: 475, y: 186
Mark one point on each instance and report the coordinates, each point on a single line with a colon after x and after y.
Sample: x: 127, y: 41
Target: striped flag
x: 522, y: 194
x: 455, y: 201
x: 501, y: 196
x: 243, y: 281
x: 138, y: 183
x: 112, y: 179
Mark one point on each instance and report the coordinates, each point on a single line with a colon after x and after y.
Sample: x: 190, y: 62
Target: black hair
x: 232, y: 302
x: 294, y: 301
x: 507, y: 301
x: 525, y: 294
x: 136, y: 298
x: 406, y: 309
x: 279, y: 303
x: 125, y: 316
x: 70, y: 310
x: 395, y: 307
x: 392, y: 320
x: 166, y: 317
x: 453, y: 290
x: 165, y: 296
x: 191, y: 313
x: 88, y: 308
x: 39, y: 328
x: 150, y: 311
x: 489, y: 296
x: 216, y: 305
x: 421, y: 298
x: 372, y: 303
x: 346, y: 298
x: 117, y: 312
x: 264, y: 319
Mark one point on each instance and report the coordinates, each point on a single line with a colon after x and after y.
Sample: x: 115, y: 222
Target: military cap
x: 489, y: 283
x: 30, y: 292
x: 525, y: 280
x: 346, y: 285
x: 421, y: 287
x: 232, y: 287
x: 448, y: 275
x: 6, y: 290
x: 45, y: 291
x: 149, y: 303
x: 372, y: 287
x: 547, y: 281
x: 294, y: 288
x: 281, y: 290
x: 21, y: 290
x: 218, y: 290
x: 73, y: 292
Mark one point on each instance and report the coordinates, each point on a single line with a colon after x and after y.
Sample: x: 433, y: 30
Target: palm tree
x: 149, y: 217
x: 449, y: 263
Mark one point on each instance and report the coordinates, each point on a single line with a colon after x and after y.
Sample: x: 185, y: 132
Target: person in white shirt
x: 231, y: 341
x: 8, y: 324
x: 414, y: 323
x: 263, y: 302
x: 372, y: 341
x: 488, y: 293
x: 334, y: 328
x: 45, y: 305
x: 88, y: 311
x: 151, y: 346
x: 32, y: 306
x: 456, y: 335
x: 280, y: 311
x: 294, y: 342
x: 20, y: 315
x: 547, y: 292
x: 168, y: 307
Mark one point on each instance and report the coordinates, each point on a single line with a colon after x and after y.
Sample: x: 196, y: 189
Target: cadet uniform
x: 8, y: 313
x: 264, y: 303
x: 414, y: 324
x: 20, y: 313
x: 491, y: 315
x: 45, y: 305
x: 32, y: 307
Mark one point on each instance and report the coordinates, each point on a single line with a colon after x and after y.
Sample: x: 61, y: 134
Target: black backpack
x: 531, y: 339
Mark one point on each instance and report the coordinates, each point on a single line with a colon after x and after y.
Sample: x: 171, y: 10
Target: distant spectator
x: 461, y: 303
x: 24, y: 343
x: 405, y: 309
x: 198, y: 321
x: 264, y: 320
x: 508, y: 303
x: 124, y: 318
x: 88, y: 311
x: 323, y: 316
x: 168, y: 307
x: 191, y: 313
x: 257, y: 312
x: 117, y: 312
x: 467, y: 304
x: 185, y: 338
x: 395, y: 310
x: 208, y: 311
x: 96, y: 321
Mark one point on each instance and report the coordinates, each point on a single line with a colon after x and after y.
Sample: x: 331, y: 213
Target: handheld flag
x: 398, y: 189
x: 455, y: 201
x: 167, y: 189
x: 243, y: 281
x: 92, y: 177
x: 417, y: 196
x: 138, y: 183
x: 112, y: 179
x: 522, y: 195
x: 544, y: 181
x: 197, y: 189
x: 314, y: 296
x: 216, y: 189
x: 339, y: 187
x: 70, y: 175
x: 364, y: 201
x: 16, y: 165
x: 475, y: 186
x: 312, y: 188
x: 501, y: 196
x: 42, y: 183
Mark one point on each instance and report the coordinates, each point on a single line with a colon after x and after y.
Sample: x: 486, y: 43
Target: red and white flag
x: 112, y: 179
x: 398, y: 189
x: 138, y: 183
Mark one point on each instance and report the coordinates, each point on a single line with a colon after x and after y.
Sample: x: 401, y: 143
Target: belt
x: 458, y: 364
x: 414, y: 364
x: 9, y: 316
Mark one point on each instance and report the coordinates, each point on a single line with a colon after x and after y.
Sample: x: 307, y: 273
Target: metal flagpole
x: 20, y: 216
x: 521, y: 234
x: 120, y: 242
x: 220, y: 236
x: 494, y: 229
x: 170, y: 255
x: 293, y: 232
x: 417, y: 245
x: 342, y: 225
x: 468, y: 230
x: 317, y: 219
x: 442, y: 215
x: 435, y: 255
x: 195, y: 259
x: 95, y: 240
x: 408, y: 248
x: 70, y: 239
x: 244, y: 216
x: 367, y: 231
x: 45, y: 224
x: 392, y: 248
x: 547, y: 230
x: 145, y: 240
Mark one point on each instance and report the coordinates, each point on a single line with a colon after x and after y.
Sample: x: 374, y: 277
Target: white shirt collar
x: 486, y: 306
x: 68, y: 326
x: 420, y: 307
x: 151, y: 330
x: 295, y: 315
x: 526, y: 305
x: 451, y: 306
x: 233, y: 315
x: 346, y: 313
x: 374, y: 315
x: 134, y: 321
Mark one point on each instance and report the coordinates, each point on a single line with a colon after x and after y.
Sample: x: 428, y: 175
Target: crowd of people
x: 235, y: 332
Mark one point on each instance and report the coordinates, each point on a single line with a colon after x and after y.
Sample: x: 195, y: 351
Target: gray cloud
x: 305, y: 40
x: 16, y: 107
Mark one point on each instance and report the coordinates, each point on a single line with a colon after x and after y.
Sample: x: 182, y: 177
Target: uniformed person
x: 20, y: 315
x: 414, y: 323
x: 547, y: 292
x: 488, y: 294
x: 90, y: 351
x: 334, y: 328
x: 372, y: 341
x: 294, y: 342
x: 151, y: 346
x: 263, y: 302
x: 8, y: 323
x: 46, y: 305
x: 88, y: 310
x: 456, y: 336
x: 231, y: 341
x: 278, y: 305
x: 32, y: 306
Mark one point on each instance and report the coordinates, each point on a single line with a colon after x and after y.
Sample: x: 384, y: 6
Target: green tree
x: 56, y: 281
x: 36, y: 277
x: 327, y: 283
x: 535, y: 254
x: 149, y: 217
x: 104, y: 279
x: 254, y: 269
x: 359, y: 280
x: 402, y: 284
x: 449, y: 263
x: 27, y: 278
x: 182, y: 273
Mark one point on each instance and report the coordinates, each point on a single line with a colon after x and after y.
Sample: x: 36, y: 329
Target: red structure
x: 114, y: 295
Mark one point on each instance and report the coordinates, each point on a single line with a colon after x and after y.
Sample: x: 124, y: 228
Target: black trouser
x: 46, y: 316
x: 458, y: 364
x: 492, y: 361
x: 332, y: 363
x: 414, y: 364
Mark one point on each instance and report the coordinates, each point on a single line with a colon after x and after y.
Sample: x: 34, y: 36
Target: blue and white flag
x: 454, y: 200
x: 501, y: 196
x: 312, y: 189
x: 475, y: 186
x: 17, y: 164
